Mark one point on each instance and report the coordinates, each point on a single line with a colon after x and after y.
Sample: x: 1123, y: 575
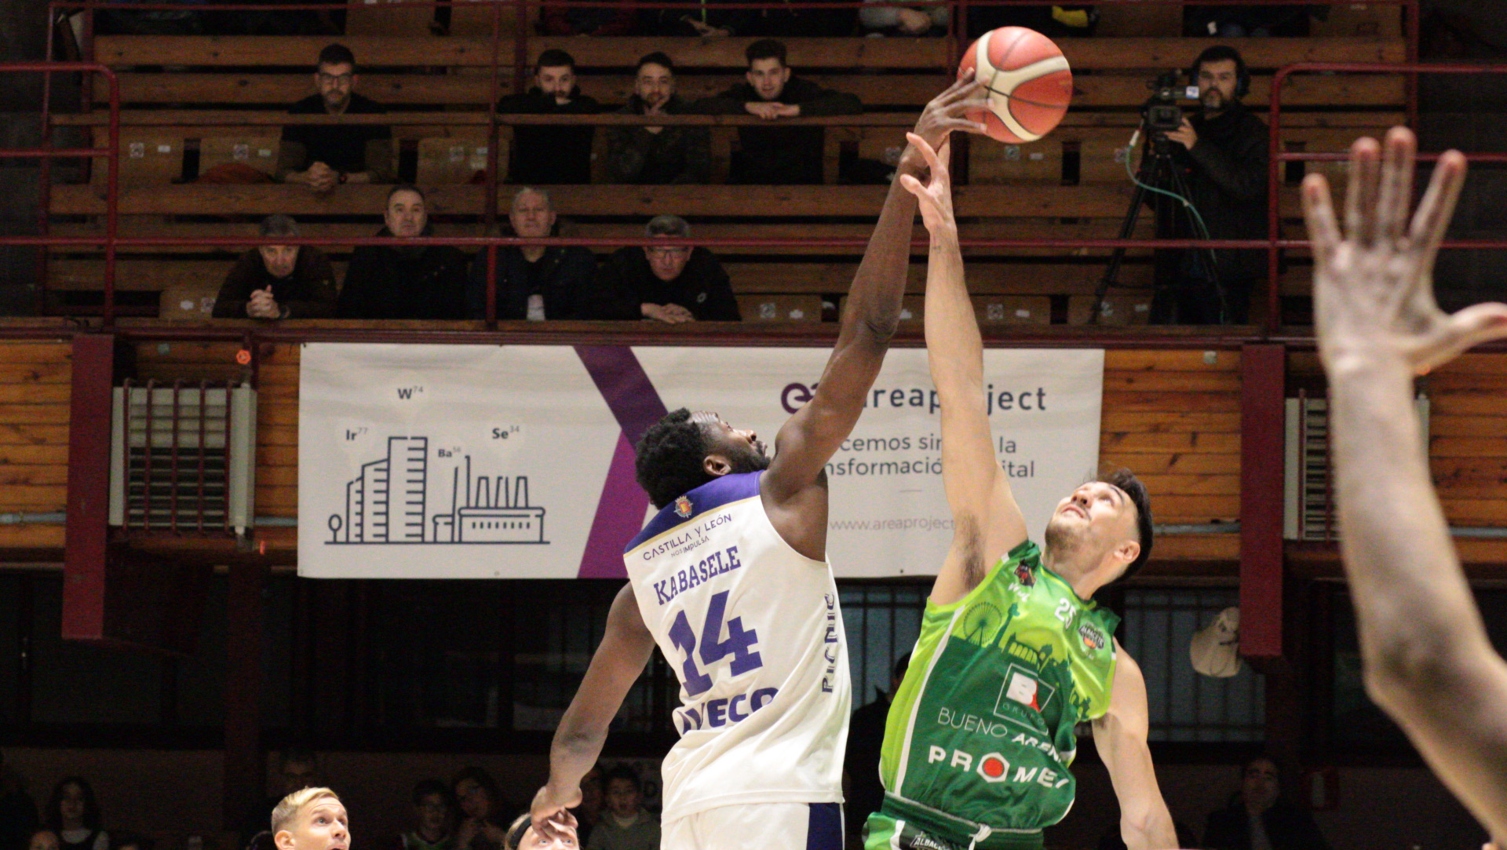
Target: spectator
x: 433, y: 818
x: 627, y: 825
x: 480, y: 800
x: 408, y: 282
x: 1223, y: 151
x: 551, y: 154
x: 73, y: 813
x: 658, y: 155
x: 783, y: 155
x: 1259, y: 819
x: 589, y: 813
x: 670, y: 284
x: 278, y: 281
x: 297, y: 769
x: 323, y: 156
x: 608, y: 20
x: 18, y: 813
x: 924, y: 19
x: 535, y: 282
x: 865, y: 740
x: 43, y: 839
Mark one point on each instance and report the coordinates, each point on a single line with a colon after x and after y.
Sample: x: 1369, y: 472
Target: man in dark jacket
x: 783, y: 155
x: 657, y: 155
x: 1259, y: 819
x: 546, y: 154
x: 1224, y: 151
x: 534, y: 282
x: 278, y: 281
x: 419, y: 282
x: 670, y: 284
x: 865, y: 741
x: 323, y: 156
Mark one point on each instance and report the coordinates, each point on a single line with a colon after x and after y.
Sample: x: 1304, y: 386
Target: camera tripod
x: 1157, y: 180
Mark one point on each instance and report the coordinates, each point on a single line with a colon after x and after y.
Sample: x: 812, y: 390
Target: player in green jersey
x: 1013, y: 652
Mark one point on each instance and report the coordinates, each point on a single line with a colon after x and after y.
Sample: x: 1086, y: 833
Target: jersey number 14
x: 739, y: 644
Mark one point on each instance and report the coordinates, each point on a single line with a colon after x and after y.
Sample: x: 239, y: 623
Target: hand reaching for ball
x: 946, y: 112
x: 935, y: 196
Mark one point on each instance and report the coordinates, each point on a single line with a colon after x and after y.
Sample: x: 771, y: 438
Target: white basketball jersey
x: 753, y: 631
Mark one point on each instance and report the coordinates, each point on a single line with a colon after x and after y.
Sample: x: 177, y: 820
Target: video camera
x: 1161, y: 113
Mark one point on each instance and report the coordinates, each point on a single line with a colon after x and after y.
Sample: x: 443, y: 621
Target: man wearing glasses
x: 323, y: 156
x: 668, y: 283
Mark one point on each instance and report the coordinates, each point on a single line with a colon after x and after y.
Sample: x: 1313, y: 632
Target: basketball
x: 1028, y: 79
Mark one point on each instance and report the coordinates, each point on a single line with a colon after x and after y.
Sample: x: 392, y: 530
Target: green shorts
x: 888, y: 831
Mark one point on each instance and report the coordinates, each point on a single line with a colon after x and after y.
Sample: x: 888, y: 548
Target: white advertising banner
x: 461, y: 461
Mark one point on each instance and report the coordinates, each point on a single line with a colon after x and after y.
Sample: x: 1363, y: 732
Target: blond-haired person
x: 311, y: 819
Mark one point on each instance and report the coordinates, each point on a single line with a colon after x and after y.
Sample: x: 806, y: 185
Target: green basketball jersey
x: 980, y: 732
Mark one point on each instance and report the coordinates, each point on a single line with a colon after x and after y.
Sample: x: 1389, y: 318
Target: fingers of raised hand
x: 1438, y: 204
x: 927, y: 153
x: 1472, y: 326
x: 1360, y: 196
x: 1318, y: 212
x: 912, y: 185
x: 1396, y: 191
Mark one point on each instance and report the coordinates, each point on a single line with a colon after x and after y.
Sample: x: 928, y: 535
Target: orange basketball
x: 1029, y: 83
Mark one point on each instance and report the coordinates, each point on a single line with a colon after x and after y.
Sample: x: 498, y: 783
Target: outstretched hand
x: 550, y: 813
x: 935, y: 195
x: 946, y: 112
x: 1373, y: 286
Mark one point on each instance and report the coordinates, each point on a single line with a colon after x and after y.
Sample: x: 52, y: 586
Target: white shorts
x: 761, y: 826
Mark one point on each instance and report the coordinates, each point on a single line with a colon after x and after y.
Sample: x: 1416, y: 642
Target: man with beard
x: 1224, y: 151
x: 731, y: 581
x: 1013, y: 652
x: 323, y: 156
x: 546, y: 154
x: 657, y: 155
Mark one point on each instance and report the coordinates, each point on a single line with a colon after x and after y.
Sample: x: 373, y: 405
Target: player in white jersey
x: 731, y: 581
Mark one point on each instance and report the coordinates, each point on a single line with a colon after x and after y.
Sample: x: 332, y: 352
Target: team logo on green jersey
x: 1092, y: 637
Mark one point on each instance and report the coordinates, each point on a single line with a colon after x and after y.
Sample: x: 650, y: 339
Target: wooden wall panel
x: 34, y: 417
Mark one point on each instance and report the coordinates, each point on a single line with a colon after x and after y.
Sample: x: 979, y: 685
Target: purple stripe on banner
x: 620, y: 514
x: 636, y: 405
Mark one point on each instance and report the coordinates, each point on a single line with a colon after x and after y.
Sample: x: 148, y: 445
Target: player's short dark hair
x: 658, y: 57
x: 337, y: 54
x: 430, y: 787
x: 671, y: 457
x: 766, y: 48
x: 1126, y: 481
x: 555, y: 58
x: 626, y: 774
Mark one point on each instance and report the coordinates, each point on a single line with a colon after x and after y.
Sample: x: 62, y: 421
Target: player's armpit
x: 1120, y: 738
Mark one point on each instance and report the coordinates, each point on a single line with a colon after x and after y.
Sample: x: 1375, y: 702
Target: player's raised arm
x: 1427, y: 660
x: 810, y: 438
x: 1120, y: 738
x: 987, y: 522
x: 620, y: 658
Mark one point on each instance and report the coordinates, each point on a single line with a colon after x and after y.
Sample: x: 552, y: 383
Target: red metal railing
x: 1278, y: 156
x: 111, y: 241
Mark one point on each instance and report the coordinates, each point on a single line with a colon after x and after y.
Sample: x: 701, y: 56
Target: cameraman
x: 1223, y: 151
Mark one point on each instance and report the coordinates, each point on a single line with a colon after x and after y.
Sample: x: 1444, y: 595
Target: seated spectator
x: 43, y: 839
x: 480, y: 800
x: 310, y: 819
x: 278, y: 281
x: 658, y: 155
x: 543, y: 154
x: 73, y: 813
x: 535, y: 282
x: 323, y: 156
x: 924, y: 19
x: 783, y: 155
x: 705, y: 18
x: 627, y: 825
x: 1258, y: 817
x: 433, y: 818
x: 671, y: 284
x: 18, y: 813
x: 417, y: 282
x: 616, y: 18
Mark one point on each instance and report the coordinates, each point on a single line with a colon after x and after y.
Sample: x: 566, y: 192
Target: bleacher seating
x: 1071, y: 185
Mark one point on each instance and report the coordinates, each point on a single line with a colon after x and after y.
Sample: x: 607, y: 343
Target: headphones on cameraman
x: 1220, y: 53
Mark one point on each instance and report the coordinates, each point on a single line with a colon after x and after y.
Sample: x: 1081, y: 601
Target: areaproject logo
x: 795, y: 396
